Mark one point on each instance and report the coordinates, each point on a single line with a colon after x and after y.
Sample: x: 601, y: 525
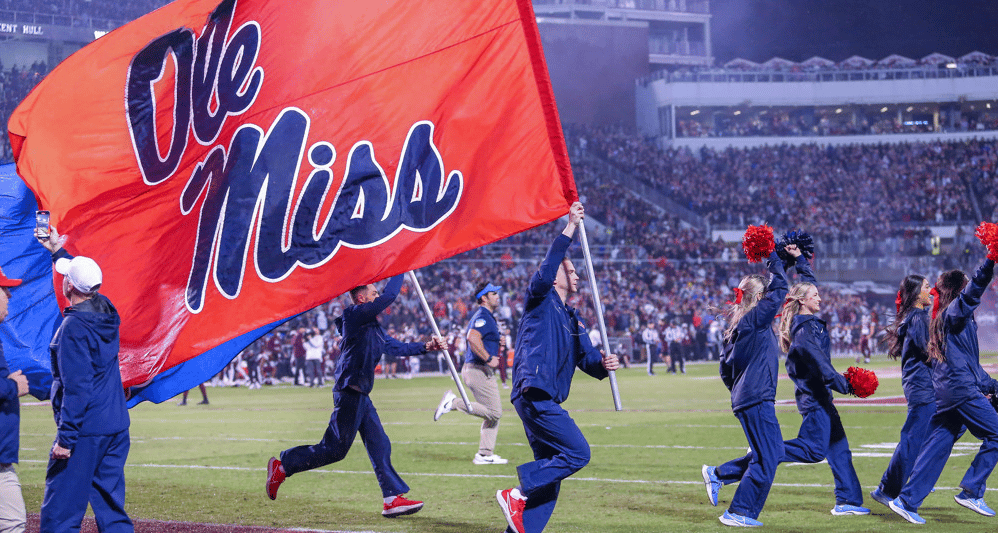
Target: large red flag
x: 230, y: 164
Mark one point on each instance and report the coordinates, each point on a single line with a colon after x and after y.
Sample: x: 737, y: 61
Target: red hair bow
x: 898, y: 301
x: 935, y: 302
x: 738, y: 296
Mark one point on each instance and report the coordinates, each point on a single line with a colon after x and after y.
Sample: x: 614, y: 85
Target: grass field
x: 207, y: 463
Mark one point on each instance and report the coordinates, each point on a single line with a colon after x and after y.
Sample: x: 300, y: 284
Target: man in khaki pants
x: 485, y: 349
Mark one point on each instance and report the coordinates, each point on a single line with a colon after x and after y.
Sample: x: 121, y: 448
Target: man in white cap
x: 12, y: 386
x: 87, y: 461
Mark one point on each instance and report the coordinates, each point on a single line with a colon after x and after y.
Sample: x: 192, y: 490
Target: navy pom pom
x: 803, y: 241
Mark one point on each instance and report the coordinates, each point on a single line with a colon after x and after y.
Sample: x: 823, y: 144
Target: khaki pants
x: 482, y: 381
x: 12, y: 514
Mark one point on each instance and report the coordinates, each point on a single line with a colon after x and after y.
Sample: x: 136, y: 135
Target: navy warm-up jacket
x: 809, y: 364
x: 552, y: 340
x: 364, y: 341
x: 87, y: 396
x: 750, y: 365
x: 916, y: 375
x: 960, y: 377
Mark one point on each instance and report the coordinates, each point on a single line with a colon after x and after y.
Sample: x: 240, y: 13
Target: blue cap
x: 489, y: 287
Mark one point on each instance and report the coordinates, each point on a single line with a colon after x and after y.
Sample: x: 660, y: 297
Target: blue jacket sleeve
x: 543, y: 279
x: 765, y: 311
x: 8, y: 390
x: 397, y: 348
x: 916, y: 337
x: 804, y: 270
x: 591, y: 359
x: 964, y: 306
x: 76, y: 369
x: 368, y: 311
x: 725, y: 369
x: 807, y: 342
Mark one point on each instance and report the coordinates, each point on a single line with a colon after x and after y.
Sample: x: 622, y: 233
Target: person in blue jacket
x: 962, y: 390
x: 363, y: 343
x: 553, y: 341
x: 909, y: 341
x: 13, y: 385
x: 809, y: 365
x: 87, y: 460
x: 749, y: 368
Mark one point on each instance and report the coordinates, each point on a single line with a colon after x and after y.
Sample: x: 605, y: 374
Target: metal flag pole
x: 599, y: 313
x: 436, y: 330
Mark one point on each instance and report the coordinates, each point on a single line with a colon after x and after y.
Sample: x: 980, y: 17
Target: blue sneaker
x: 846, y: 509
x: 910, y: 516
x: 711, y: 482
x: 975, y: 504
x: 737, y: 520
x: 880, y: 497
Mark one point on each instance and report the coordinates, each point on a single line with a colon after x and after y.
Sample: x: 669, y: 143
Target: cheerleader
x: 909, y: 338
x: 962, y: 390
x: 749, y: 368
x: 805, y: 338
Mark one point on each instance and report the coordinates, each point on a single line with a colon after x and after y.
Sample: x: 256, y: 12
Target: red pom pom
x: 862, y: 382
x: 758, y: 243
x: 987, y: 232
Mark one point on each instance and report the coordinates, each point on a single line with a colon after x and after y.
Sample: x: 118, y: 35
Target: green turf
x: 644, y: 475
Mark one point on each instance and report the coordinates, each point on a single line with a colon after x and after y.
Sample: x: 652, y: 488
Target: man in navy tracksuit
x: 960, y: 385
x: 552, y: 342
x: 13, y: 385
x: 363, y: 343
x: 87, y: 461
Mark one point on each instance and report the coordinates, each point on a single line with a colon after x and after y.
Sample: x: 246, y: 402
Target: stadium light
x: 883, y: 109
x: 837, y: 111
x: 950, y: 65
x: 910, y: 108
x: 697, y: 112
x: 739, y: 112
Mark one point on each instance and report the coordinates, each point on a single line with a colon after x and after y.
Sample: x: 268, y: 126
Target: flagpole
x: 436, y: 330
x: 599, y: 313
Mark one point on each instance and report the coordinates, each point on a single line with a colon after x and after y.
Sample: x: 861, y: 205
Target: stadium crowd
x: 782, y: 124
x: 15, y: 84
x: 84, y: 12
x: 842, y: 192
x: 657, y: 272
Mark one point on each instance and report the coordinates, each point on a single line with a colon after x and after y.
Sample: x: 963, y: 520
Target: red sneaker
x: 275, y: 476
x: 512, y: 506
x: 400, y: 506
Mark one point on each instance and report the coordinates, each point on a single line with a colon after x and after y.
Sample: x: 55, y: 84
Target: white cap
x: 82, y: 272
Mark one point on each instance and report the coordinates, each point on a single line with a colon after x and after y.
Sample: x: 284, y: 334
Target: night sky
x: 836, y: 29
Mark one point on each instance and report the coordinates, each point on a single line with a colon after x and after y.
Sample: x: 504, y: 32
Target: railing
x: 666, y: 46
x: 776, y: 76
x: 679, y: 6
x: 25, y: 17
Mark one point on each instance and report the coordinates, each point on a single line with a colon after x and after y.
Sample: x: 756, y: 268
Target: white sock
x: 390, y: 499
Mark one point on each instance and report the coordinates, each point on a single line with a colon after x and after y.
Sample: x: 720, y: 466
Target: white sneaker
x: 488, y: 459
x: 446, y: 404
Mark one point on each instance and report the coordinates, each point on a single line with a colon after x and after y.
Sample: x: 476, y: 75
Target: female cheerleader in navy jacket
x: 909, y: 334
x: 960, y: 385
x: 749, y: 368
x: 809, y: 364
